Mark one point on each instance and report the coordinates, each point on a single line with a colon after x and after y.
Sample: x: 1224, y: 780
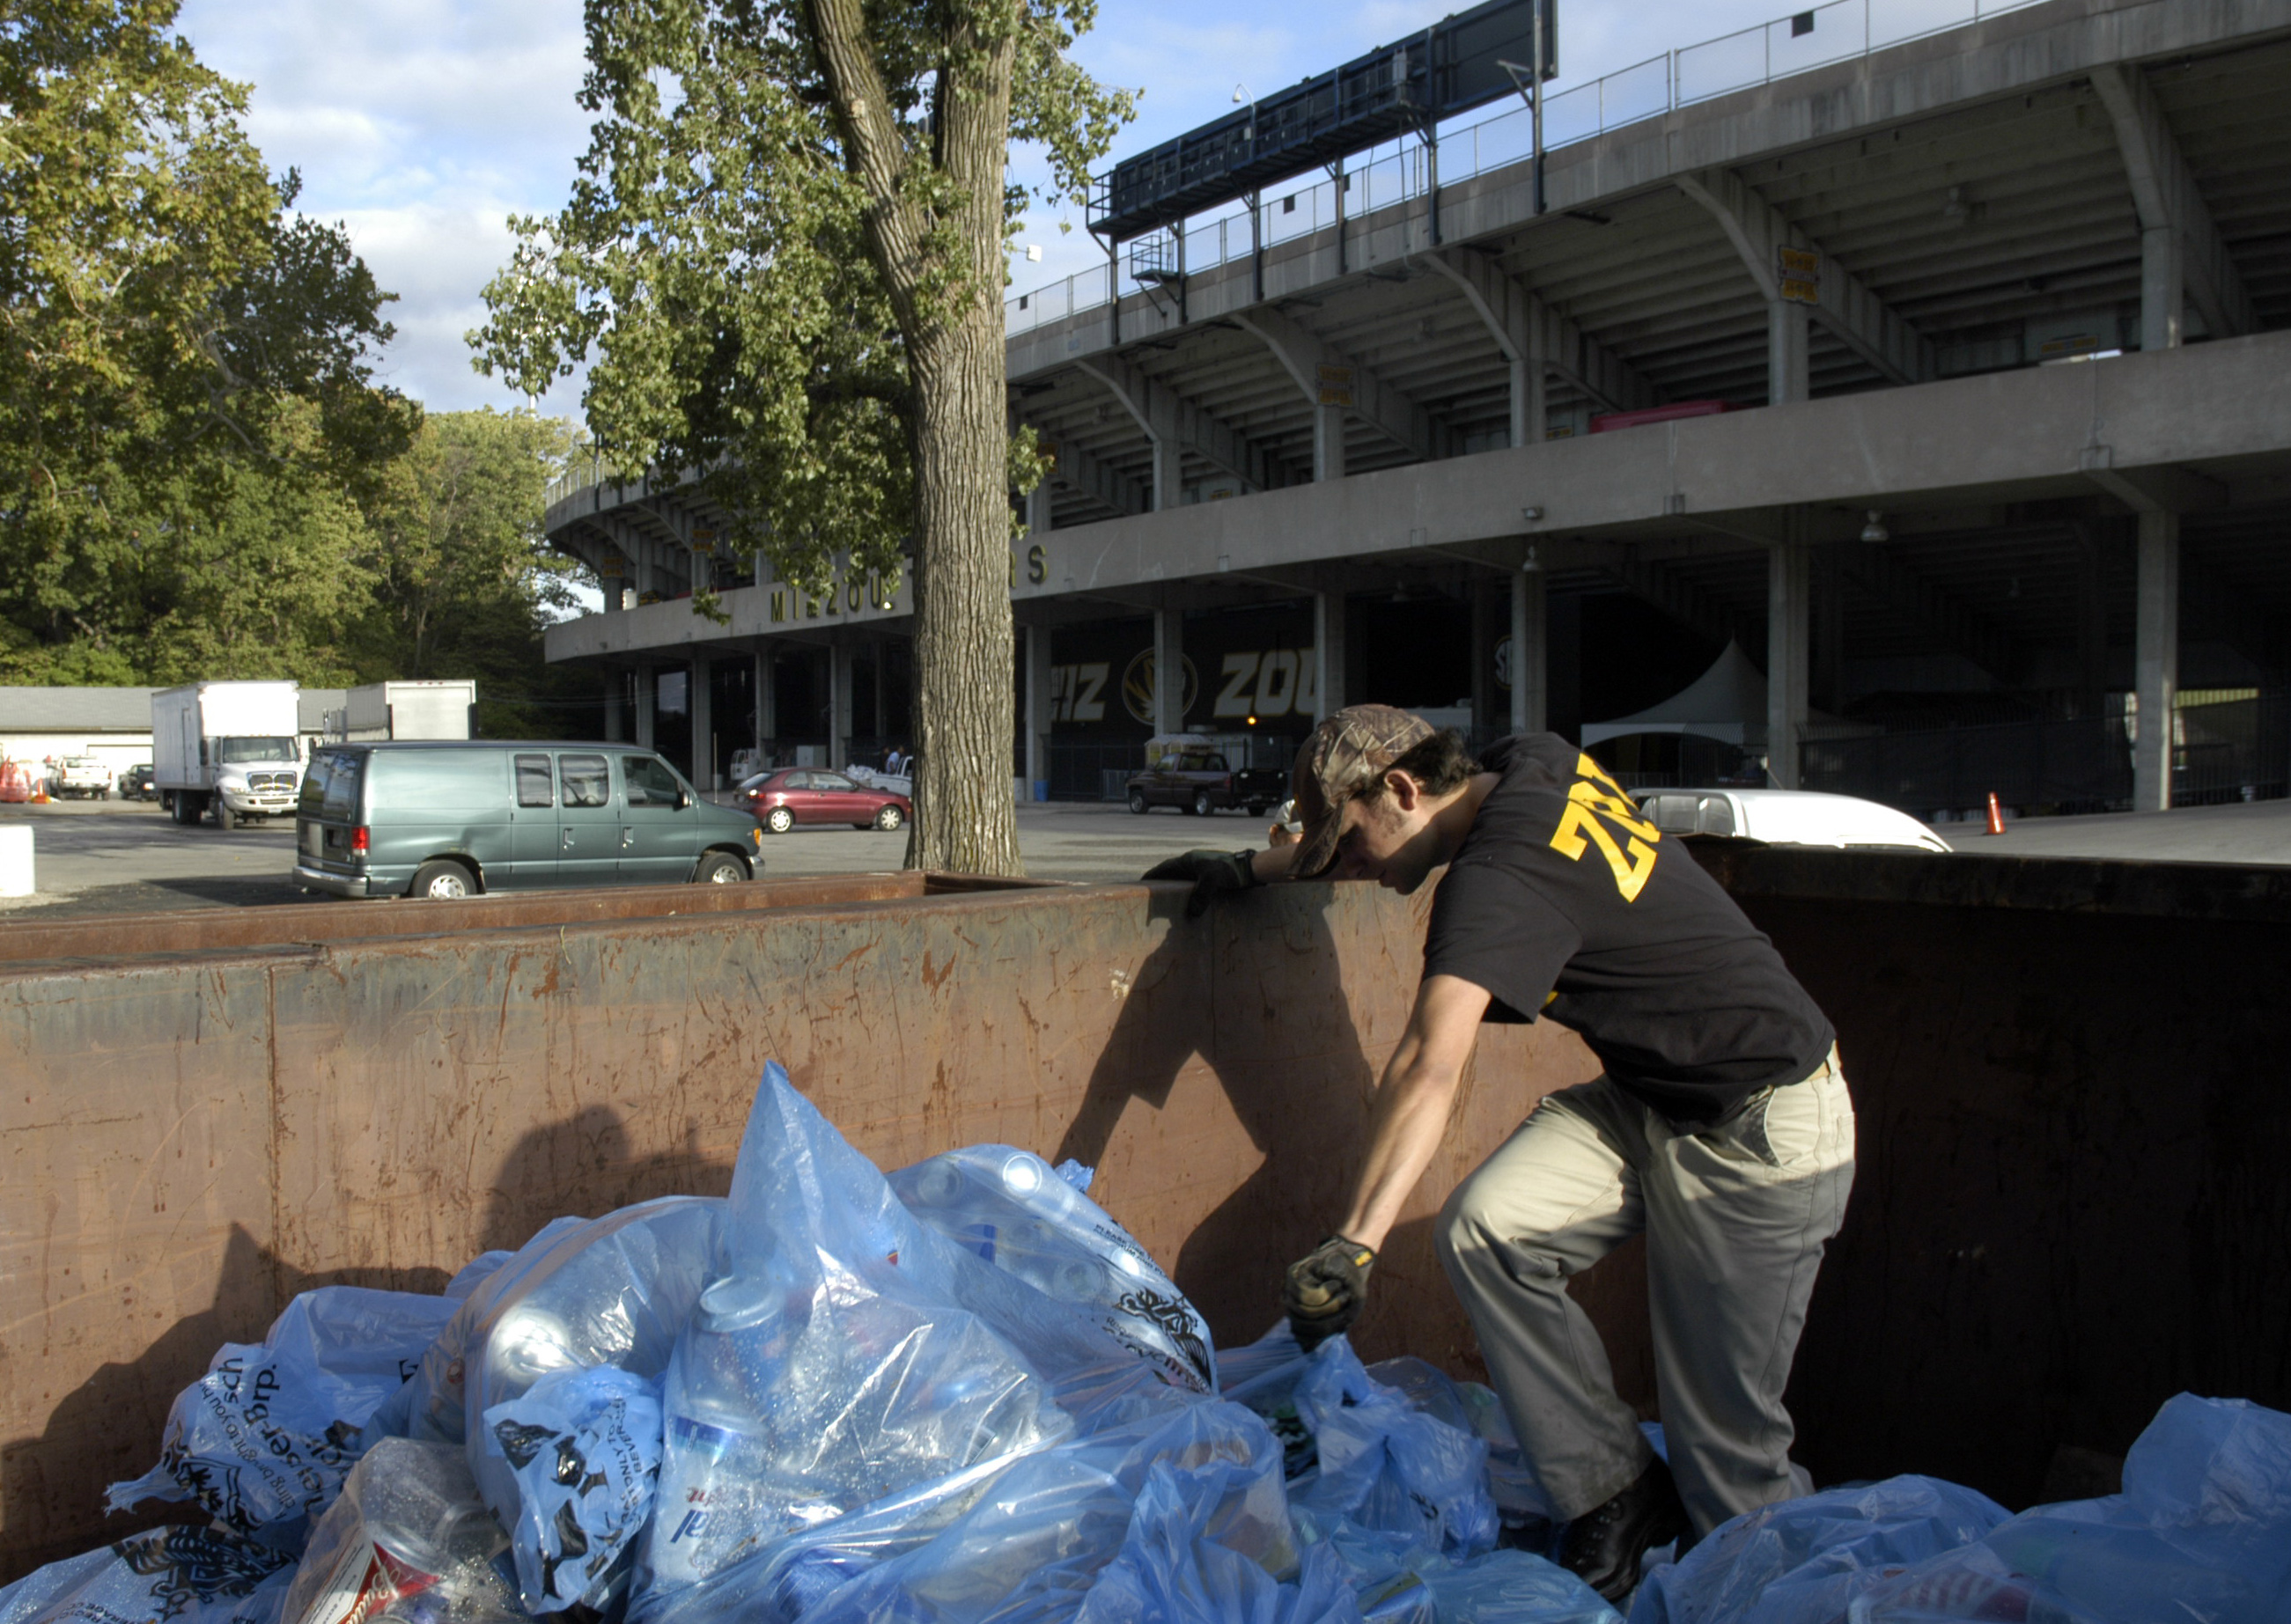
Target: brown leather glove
x: 1326, y: 1289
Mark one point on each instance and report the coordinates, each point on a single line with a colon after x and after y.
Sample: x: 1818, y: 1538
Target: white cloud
x: 422, y: 124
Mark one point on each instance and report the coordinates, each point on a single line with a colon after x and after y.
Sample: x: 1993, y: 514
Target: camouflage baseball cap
x: 1345, y: 754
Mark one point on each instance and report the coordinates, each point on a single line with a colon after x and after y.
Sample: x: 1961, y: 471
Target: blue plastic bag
x: 584, y: 1447
x: 2200, y: 1535
x: 1172, y: 1568
x: 1472, y: 1407
x: 1013, y: 1211
x: 172, y: 1575
x: 1386, y: 1465
x: 264, y: 1439
x: 1802, y: 1561
x: 830, y: 1365
x: 432, y: 1407
x: 614, y: 1293
x: 1027, y: 1547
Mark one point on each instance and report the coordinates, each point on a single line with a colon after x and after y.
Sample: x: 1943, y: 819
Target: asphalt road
x: 98, y: 857
x: 94, y: 858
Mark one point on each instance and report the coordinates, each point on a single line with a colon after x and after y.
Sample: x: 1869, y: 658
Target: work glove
x: 1214, y: 874
x: 1325, y: 1289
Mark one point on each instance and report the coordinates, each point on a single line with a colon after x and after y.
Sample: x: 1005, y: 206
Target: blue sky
x: 422, y: 124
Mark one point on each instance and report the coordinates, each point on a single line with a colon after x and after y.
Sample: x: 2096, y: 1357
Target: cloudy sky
x: 422, y: 124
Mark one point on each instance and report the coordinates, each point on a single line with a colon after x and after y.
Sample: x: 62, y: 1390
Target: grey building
x: 1945, y: 375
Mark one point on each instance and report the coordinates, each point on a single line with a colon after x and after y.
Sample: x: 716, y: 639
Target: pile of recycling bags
x: 961, y: 1393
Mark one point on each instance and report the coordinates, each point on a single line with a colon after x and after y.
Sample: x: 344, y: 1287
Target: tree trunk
x: 965, y: 816
x: 965, y: 819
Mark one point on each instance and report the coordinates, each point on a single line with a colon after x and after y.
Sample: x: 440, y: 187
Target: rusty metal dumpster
x: 2070, y: 1078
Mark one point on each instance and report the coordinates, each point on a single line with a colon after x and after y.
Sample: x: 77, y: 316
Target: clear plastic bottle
x: 408, y: 1540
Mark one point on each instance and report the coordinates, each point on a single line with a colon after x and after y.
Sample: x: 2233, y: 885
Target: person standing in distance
x: 1721, y: 1128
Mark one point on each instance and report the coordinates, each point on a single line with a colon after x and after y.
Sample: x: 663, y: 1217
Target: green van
x: 454, y: 817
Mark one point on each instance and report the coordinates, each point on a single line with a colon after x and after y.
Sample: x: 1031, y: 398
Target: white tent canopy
x: 1720, y: 704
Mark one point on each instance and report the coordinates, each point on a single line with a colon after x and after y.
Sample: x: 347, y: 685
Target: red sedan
x: 812, y: 794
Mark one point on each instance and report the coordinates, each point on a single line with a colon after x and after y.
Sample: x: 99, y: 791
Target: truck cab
x: 228, y: 750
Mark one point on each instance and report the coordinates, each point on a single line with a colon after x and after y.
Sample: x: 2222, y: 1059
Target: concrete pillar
x: 768, y: 705
x: 701, y: 705
x: 1168, y: 671
x: 1531, y: 646
x: 2163, y: 287
x: 1329, y: 651
x: 1789, y: 590
x: 645, y: 706
x: 1328, y: 443
x: 1169, y: 474
x: 839, y: 703
x: 1531, y: 400
x: 616, y: 708
x: 1785, y: 352
x: 1038, y: 705
x: 2156, y: 661
x: 1038, y: 519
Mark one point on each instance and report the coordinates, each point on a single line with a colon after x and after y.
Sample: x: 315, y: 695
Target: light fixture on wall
x: 1875, y: 531
x: 1530, y: 565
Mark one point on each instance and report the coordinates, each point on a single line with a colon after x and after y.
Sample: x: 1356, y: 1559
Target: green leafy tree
x: 185, y: 376
x: 784, y: 258
x: 463, y: 580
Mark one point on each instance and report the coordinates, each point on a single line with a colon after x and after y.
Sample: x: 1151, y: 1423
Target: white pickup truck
x: 81, y: 777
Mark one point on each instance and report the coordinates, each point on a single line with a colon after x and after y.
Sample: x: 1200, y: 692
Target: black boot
x: 1603, y: 1546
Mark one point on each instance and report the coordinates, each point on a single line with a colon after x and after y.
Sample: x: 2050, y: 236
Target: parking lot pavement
x: 128, y: 857
x: 2258, y: 832
x: 113, y: 857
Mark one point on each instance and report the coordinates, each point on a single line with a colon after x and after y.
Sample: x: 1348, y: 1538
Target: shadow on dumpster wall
x: 52, y: 1486
x: 1257, y: 993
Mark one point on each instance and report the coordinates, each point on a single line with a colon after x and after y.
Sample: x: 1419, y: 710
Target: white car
x: 1787, y: 818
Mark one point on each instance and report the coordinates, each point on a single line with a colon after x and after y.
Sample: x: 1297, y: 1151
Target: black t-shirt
x: 1564, y: 901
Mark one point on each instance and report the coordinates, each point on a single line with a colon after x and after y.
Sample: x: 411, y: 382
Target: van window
x: 584, y: 781
x: 330, y: 789
x: 533, y: 782
x: 444, y: 781
x: 649, y: 782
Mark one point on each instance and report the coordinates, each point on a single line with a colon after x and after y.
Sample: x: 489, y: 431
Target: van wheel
x: 779, y: 821
x: 721, y: 869
x: 1202, y: 806
x: 889, y: 818
x: 442, y: 881
x: 1138, y: 802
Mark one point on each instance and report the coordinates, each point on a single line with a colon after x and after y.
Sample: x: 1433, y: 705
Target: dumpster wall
x: 2072, y: 1200
x: 2072, y: 1084
x: 191, y: 1136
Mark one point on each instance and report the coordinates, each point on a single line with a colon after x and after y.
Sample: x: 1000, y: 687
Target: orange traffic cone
x: 1996, y: 815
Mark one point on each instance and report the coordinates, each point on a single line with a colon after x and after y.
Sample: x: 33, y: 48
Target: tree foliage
x: 187, y: 418
x: 783, y: 260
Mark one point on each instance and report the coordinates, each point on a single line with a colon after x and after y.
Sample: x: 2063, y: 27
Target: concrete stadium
x: 1945, y: 377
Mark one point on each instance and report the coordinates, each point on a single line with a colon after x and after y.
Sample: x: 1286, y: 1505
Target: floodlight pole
x: 1535, y: 104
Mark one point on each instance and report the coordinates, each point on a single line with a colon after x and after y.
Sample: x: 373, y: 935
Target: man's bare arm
x: 1411, y: 1114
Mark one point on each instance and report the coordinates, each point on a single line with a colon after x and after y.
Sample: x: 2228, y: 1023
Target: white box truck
x: 427, y: 709
x: 228, y: 751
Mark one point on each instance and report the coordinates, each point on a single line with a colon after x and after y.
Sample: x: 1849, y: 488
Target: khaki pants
x: 1735, y: 1219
